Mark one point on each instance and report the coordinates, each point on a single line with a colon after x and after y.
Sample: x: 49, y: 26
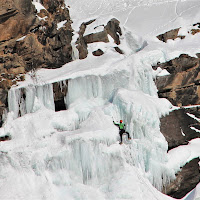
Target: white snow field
x: 75, y: 154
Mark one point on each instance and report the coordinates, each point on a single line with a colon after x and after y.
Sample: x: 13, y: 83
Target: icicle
x: 30, y: 97
x: 5, y: 114
x: 16, y: 102
x: 75, y: 52
x: 45, y: 95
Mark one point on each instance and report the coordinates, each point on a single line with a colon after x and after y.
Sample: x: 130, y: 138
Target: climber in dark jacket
x: 122, y: 126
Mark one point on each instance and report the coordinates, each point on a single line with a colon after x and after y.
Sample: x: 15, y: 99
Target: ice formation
x: 90, y: 152
x: 21, y: 102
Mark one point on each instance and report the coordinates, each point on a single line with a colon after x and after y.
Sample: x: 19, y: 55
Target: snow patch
x: 61, y: 24
x: 20, y: 39
x: 38, y: 6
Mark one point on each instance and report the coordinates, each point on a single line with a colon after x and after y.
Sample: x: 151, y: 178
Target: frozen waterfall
x: 125, y: 92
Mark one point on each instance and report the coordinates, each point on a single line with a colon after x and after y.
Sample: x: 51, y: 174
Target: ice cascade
x: 127, y: 92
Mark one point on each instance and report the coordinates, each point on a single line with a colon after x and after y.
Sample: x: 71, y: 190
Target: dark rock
x: 81, y: 44
x: 82, y: 48
x: 197, y: 24
x: 98, y: 52
x: 96, y: 37
x: 114, y: 30
x: 182, y: 63
x: 174, y: 125
x: 185, y: 181
x: 195, y: 31
x: 5, y: 138
x: 183, y: 96
x: 16, y: 18
x: 60, y: 91
x: 44, y: 45
x: 5, y: 15
x: 117, y: 49
x: 173, y: 34
x: 182, y: 86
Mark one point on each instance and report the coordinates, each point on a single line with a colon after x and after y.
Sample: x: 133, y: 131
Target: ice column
x: 75, y: 52
x: 16, y: 102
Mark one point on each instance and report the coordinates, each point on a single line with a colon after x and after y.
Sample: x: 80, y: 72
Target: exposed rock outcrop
x: 176, y: 127
x: 112, y: 28
x: 174, y: 34
x: 60, y: 91
x: 5, y: 138
x: 182, y: 86
x: 44, y: 44
x: 185, y: 181
x: 16, y: 18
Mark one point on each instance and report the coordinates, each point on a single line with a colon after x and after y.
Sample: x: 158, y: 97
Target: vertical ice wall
x: 133, y: 97
x: 142, y: 112
x: 87, y: 160
x: 93, y: 86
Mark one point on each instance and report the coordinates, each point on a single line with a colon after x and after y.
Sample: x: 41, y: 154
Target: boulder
x: 172, y: 34
x: 117, y: 49
x: 98, y: 52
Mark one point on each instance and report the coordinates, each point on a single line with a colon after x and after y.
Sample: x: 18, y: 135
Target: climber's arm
x: 115, y: 124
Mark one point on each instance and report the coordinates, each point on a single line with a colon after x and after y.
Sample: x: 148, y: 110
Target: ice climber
x: 122, y: 126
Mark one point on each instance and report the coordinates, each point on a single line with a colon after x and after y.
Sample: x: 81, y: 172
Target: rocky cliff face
x: 182, y: 89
